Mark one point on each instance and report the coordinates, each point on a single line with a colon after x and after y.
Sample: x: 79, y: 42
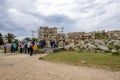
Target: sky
x: 20, y: 17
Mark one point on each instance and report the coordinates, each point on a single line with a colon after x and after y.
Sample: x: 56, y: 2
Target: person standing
x: 35, y: 48
x: 56, y: 44
x: 5, y: 48
x: 14, y: 47
x: 28, y: 47
x: 25, y: 46
x: 31, y: 49
x: 11, y: 48
x: 51, y: 43
x: 20, y: 47
x: 17, y: 45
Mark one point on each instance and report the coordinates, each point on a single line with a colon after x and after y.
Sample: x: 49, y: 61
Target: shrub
x: 117, y: 47
x: 77, y: 48
x: 116, y: 53
x: 110, y: 47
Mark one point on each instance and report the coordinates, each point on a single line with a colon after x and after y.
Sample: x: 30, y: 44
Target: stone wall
x: 113, y: 35
x: 99, y: 41
x: 50, y: 33
x: 47, y: 33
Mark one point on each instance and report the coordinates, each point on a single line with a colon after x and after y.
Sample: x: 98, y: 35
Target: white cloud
x: 75, y: 15
x: 51, y: 7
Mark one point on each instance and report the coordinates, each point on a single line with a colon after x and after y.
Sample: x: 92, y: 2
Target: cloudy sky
x: 21, y: 16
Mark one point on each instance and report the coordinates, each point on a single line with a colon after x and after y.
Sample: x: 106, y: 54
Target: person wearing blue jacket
x: 14, y: 47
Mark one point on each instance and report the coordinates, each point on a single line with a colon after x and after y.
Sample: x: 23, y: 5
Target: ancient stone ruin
x: 47, y: 33
x: 97, y: 41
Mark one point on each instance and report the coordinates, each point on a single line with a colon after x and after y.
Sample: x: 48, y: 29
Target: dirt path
x: 25, y: 67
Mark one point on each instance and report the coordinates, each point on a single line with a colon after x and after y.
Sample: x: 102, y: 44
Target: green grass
x: 1, y: 48
x: 98, y: 60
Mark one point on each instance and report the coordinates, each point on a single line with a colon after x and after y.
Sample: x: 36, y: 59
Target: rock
x: 99, y: 42
x: 91, y: 47
x: 49, y: 51
x: 70, y: 46
x: 94, y: 46
x: 83, y: 62
x: 116, y: 43
x: 113, y: 42
x: 113, y: 50
x: 103, y: 48
x: 110, y: 43
x: 82, y: 42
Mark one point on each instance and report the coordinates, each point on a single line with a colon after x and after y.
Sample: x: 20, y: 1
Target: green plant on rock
x: 82, y: 49
x: 117, y: 47
x: 77, y: 48
x: 110, y: 47
x: 116, y: 53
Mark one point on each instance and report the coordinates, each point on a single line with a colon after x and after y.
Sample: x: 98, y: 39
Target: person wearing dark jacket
x: 11, y: 47
x: 5, y: 48
x: 31, y: 49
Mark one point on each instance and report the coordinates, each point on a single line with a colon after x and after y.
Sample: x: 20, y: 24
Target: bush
x: 110, y: 47
x: 82, y: 49
x: 116, y: 53
x: 77, y: 48
x: 117, y: 47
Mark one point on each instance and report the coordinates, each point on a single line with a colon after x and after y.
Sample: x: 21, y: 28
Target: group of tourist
x: 30, y: 47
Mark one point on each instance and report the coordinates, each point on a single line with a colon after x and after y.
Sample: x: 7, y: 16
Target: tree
x: 34, y: 39
x: 16, y: 40
x: 10, y: 37
x: 26, y: 39
x: 1, y: 39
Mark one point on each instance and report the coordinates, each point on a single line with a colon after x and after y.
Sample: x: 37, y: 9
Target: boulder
x: 103, y: 48
x: 91, y: 47
x: 99, y: 42
x: 70, y: 46
x: 83, y: 62
x: 113, y: 44
x: 110, y: 42
x: 82, y: 42
x: 116, y: 43
x: 113, y: 50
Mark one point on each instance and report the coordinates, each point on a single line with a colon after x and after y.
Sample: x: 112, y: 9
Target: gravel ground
x: 25, y: 67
